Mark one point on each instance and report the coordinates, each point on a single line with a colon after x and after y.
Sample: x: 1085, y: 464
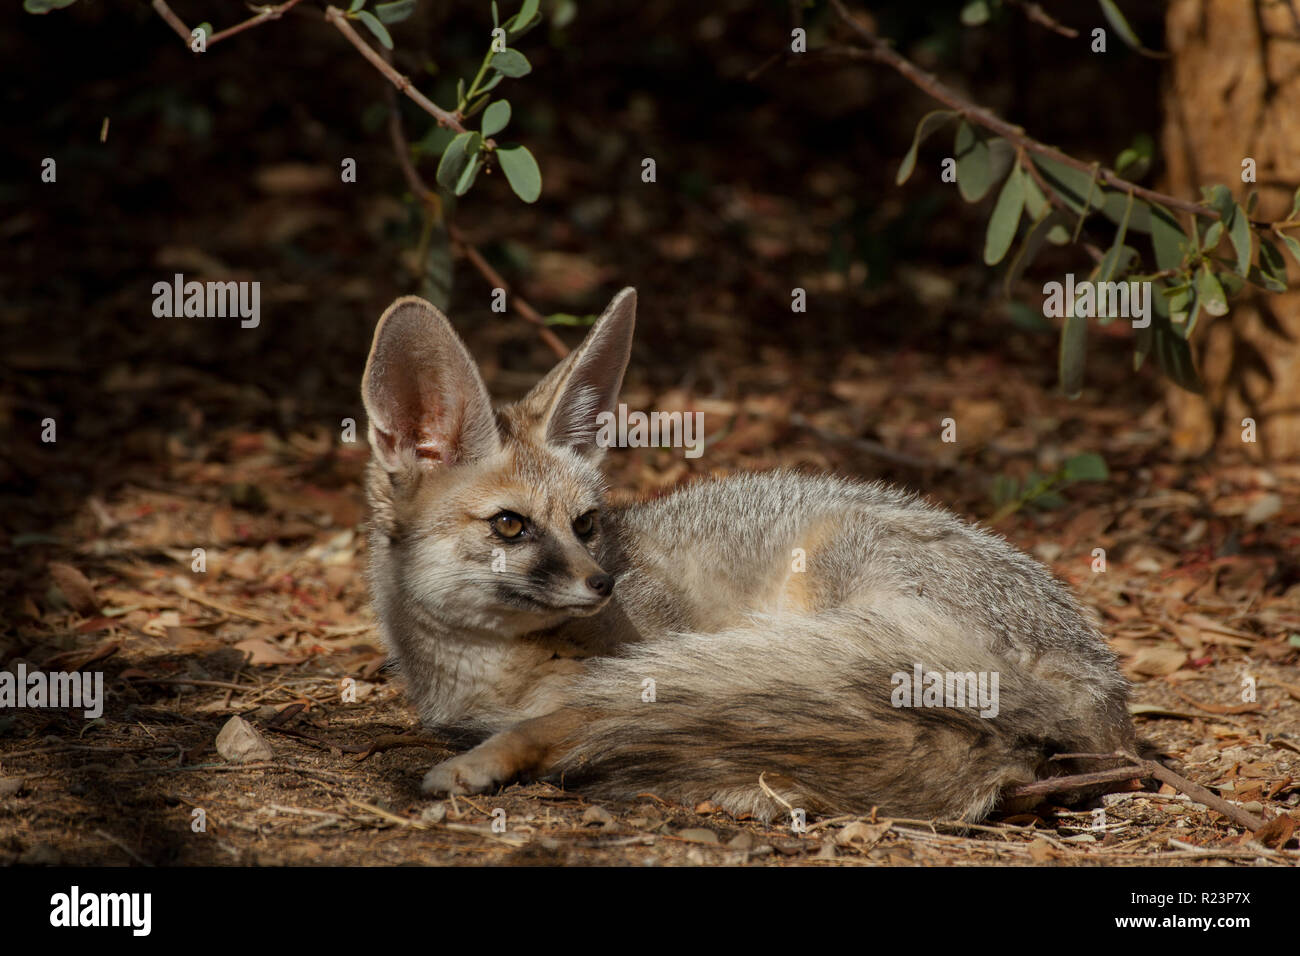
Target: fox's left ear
x: 565, y: 404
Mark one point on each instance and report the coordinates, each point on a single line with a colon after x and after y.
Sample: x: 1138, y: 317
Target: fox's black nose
x: 602, y: 584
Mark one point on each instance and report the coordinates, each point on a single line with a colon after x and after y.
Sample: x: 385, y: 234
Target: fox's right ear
x: 423, y: 394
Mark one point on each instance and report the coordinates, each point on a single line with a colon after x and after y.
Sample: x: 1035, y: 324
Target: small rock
x: 598, y: 816
x: 1263, y: 508
x: 43, y: 854
x: 698, y: 835
x: 1254, y: 806
x: 435, y: 813
x: 239, y: 742
x: 744, y: 840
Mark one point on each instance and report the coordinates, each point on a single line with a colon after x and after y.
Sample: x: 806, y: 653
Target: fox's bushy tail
x: 809, y: 704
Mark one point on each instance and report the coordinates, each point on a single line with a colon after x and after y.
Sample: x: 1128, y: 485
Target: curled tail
x: 823, y: 710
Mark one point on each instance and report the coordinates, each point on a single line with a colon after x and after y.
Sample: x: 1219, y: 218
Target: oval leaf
x: 455, y: 158
x: 1074, y: 336
x: 974, y: 171
x: 374, y: 26
x: 512, y: 63
x: 929, y: 123
x: 521, y: 172
x: 495, y: 118
x: 1006, y: 218
x: 468, y: 175
x: 394, y: 12
x: 1210, y: 293
x: 1239, y: 233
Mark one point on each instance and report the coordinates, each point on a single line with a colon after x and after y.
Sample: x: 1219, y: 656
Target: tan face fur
x: 490, y: 521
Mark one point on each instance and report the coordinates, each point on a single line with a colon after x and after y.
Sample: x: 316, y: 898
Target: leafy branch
x: 467, y: 153
x: 1057, y: 193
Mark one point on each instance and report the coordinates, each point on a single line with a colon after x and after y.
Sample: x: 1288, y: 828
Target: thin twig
x: 879, y: 50
x: 446, y: 119
x: 173, y: 21
x: 1036, y: 14
x: 266, y: 13
x: 422, y: 192
x: 1153, y: 768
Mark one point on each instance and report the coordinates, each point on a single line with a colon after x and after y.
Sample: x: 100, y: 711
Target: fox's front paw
x: 471, y: 772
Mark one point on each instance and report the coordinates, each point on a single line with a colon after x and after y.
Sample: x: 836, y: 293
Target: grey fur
x: 757, y: 668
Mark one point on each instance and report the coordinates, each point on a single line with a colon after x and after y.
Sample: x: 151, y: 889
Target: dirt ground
x: 176, y: 435
x: 1200, y: 590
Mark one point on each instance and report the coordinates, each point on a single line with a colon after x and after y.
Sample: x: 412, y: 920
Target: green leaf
x: 1167, y: 238
x: 456, y: 157
x: 1088, y: 466
x: 929, y: 123
x: 207, y: 30
x: 1174, y: 357
x: 1212, y: 236
x: 512, y: 63
x: 1121, y: 26
x: 1239, y: 233
x: 45, y: 6
x: 1074, y: 337
x: 495, y: 21
x: 1034, y: 240
x: 1075, y: 187
x: 1210, y: 293
x: 975, y: 13
x: 495, y: 118
x: 395, y: 11
x: 374, y: 26
x: 1006, y: 217
x: 1295, y: 205
x: 974, y: 172
x: 521, y: 172
x: 1292, y: 244
x: 356, y: 5
x: 1272, y: 266
x: 1110, y: 260
x: 522, y: 20
x: 468, y: 174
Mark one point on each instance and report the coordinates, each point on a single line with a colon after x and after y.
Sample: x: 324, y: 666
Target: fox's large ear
x: 425, y: 398
x: 565, y: 403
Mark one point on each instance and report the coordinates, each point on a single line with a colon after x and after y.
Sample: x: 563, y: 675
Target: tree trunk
x: 1233, y: 93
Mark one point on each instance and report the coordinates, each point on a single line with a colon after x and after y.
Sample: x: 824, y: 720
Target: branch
x: 449, y: 120
x: 1037, y: 14
x: 879, y: 50
x: 266, y: 13
x: 434, y: 202
x: 1142, y: 768
x: 173, y: 21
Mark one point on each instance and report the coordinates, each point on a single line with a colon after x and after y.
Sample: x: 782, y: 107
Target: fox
x: 763, y: 641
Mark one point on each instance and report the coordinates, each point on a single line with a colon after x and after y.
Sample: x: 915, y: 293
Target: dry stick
x: 880, y: 50
x: 267, y: 13
x: 430, y: 198
x: 449, y: 120
x: 173, y: 21
x: 1144, y: 768
x: 1037, y: 14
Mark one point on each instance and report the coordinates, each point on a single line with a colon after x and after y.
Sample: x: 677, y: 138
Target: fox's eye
x: 584, y: 525
x: 508, y: 524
